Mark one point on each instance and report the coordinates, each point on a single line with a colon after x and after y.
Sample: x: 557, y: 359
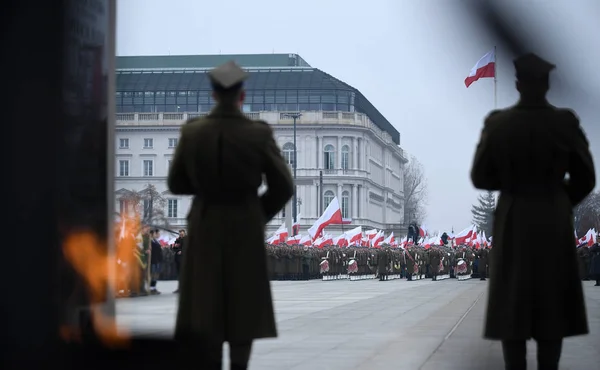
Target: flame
x: 90, y: 258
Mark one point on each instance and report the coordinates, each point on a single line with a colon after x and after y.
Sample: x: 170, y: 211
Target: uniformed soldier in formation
x: 221, y: 160
x: 525, y: 152
x: 594, y: 270
x: 482, y: 266
x: 434, y: 263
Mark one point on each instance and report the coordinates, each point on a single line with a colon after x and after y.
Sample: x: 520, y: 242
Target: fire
x: 91, y: 259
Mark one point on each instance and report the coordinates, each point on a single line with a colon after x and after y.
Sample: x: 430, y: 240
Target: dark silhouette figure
x: 413, y: 232
x: 538, y: 157
x: 224, y: 292
x: 595, y: 262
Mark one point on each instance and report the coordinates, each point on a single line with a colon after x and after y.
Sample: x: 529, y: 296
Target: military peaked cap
x: 532, y: 67
x: 227, y: 76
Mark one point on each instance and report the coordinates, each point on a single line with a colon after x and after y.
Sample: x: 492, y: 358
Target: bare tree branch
x: 587, y: 214
x: 415, y: 191
x: 148, y: 204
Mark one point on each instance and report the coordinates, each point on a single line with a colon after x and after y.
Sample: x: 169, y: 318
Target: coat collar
x: 226, y: 110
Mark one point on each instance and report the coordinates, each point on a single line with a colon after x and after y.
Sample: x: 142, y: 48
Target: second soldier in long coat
x: 221, y: 160
x: 525, y: 152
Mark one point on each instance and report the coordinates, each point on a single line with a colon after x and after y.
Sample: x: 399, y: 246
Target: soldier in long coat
x: 382, y: 263
x: 221, y: 160
x: 482, y: 267
x: 525, y: 152
x: 434, y: 263
x: 595, y: 263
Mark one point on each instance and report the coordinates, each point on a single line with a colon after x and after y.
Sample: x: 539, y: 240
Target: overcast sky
x: 409, y: 58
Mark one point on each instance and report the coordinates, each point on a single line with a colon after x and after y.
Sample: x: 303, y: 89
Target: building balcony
x: 312, y: 118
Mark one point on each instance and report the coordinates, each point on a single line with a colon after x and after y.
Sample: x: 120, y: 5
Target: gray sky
x: 409, y: 58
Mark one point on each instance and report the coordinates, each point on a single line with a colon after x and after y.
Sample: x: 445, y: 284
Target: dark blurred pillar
x: 57, y: 62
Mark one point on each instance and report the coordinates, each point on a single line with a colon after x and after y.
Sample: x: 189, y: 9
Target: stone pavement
x: 366, y: 325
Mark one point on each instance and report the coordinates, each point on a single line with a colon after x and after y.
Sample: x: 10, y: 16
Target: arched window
x: 329, y: 157
x: 327, y: 198
x: 345, y: 204
x: 288, y: 153
x: 345, y: 157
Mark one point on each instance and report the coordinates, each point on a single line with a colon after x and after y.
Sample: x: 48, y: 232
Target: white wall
x: 374, y: 166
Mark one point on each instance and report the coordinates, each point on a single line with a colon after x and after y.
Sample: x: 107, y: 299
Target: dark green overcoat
x: 525, y: 152
x: 221, y: 160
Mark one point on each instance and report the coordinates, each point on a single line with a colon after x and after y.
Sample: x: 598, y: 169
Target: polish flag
x: 331, y: 216
x: 280, y: 234
x: 306, y: 240
x: 463, y: 236
x: 484, y: 68
x: 404, y: 242
x: 389, y: 240
x: 590, y: 237
x: 370, y: 234
x: 293, y: 240
x: 354, y: 236
x: 296, y: 225
x: 378, y: 239
x: 273, y: 240
x: 322, y: 242
x: 423, y: 231
x: 341, y: 241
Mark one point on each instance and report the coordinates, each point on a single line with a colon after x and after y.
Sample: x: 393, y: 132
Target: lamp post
x: 295, y: 117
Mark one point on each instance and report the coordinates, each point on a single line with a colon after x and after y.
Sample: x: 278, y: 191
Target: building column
x: 340, y: 190
x: 315, y: 201
x: 366, y: 202
x: 354, y: 208
x: 338, y: 160
x: 355, y: 153
x: 318, y: 151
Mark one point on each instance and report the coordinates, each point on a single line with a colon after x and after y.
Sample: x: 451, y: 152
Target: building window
x: 123, y: 209
x: 172, y: 208
x: 327, y: 198
x: 345, y: 157
x: 169, y: 163
x: 148, y: 143
x: 173, y: 142
x: 288, y: 153
x: 329, y: 157
x: 147, y: 210
x: 283, y: 212
x: 123, y: 143
x: 345, y: 204
x: 123, y: 167
x: 148, y: 167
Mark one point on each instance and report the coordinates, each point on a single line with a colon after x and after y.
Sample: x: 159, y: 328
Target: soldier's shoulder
x: 498, y: 114
x: 195, y: 123
x: 262, y: 125
x: 567, y: 114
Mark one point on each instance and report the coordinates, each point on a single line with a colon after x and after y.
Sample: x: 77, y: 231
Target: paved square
x: 367, y: 325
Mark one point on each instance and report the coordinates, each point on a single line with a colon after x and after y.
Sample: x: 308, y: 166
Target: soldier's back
x: 532, y: 146
x: 227, y: 152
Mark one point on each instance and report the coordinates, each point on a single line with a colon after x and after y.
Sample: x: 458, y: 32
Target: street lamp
x: 295, y: 117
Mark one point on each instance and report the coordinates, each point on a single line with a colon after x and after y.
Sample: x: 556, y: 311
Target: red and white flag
x: 484, y: 68
x: 354, y: 236
x: 464, y: 236
x: 331, y: 216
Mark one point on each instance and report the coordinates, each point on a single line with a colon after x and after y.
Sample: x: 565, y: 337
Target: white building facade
x: 345, y: 147
x: 360, y: 164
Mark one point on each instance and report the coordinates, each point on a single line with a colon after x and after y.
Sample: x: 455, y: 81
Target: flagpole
x: 495, y: 79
